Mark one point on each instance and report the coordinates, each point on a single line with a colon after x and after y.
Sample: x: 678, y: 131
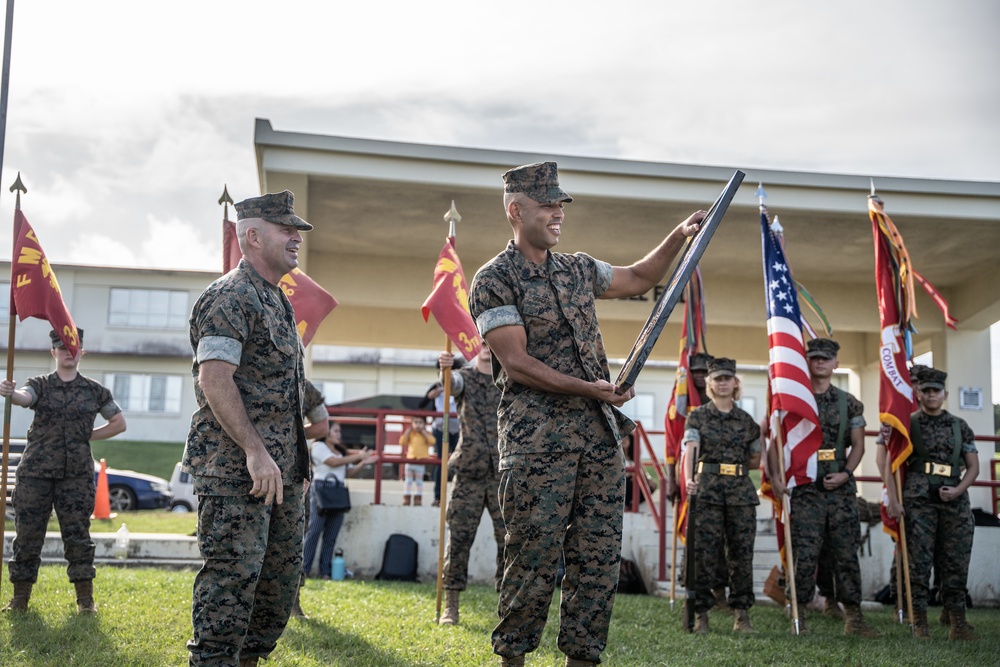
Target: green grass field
x: 145, y: 621
x: 152, y: 458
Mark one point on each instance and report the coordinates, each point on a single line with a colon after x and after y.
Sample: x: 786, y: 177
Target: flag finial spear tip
x: 452, y: 217
x: 225, y: 198
x: 872, y: 181
x: 18, y: 185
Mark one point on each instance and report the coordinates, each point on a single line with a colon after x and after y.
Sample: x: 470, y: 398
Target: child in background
x: 417, y: 440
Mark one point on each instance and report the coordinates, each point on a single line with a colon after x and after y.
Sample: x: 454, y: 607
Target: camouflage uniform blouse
x: 724, y: 437
x: 59, y: 435
x: 476, y: 455
x: 554, y: 302
x: 828, y: 410
x: 245, y: 321
x: 939, y: 441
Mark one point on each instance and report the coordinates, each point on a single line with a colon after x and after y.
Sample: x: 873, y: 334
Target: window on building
x: 148, y: 308
x: 641, y: 409
x: 333, y: 392
x: 146, y: 393
x: 4, y: 301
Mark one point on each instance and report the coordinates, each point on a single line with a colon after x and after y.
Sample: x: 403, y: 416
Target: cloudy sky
x: 125, y: 119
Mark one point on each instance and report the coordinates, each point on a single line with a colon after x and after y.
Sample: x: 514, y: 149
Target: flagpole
x: 786, y: 507
x: 899, y: 581
x: 902, y: 546
x: 673, y: 556
x: 17, y: 188
x: 451, y: 217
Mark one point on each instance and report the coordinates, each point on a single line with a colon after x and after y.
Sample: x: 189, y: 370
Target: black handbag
x: 332, y: 494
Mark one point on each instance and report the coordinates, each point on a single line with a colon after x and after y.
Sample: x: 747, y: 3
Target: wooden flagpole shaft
x: 902, y: 546
x: 786, y: 507
x: 444, y: 454
x: 673, y: 555
x: 899, y: 581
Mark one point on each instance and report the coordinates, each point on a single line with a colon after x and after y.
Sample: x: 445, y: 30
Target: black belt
x: 730, y: 469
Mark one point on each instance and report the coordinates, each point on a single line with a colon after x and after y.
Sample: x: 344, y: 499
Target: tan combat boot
x: 573, y: 662
x: 249, y: 662
x: 721, y: 604
x: 959, y: 629
x: 418, y: 500
x: 742, y: 623
x: 832, y: 609
x: 22, y: 593
x: 855, y: 623
x: 516, y: 661
x: 920, y: 630
x: 701, y: 623
x: 944, y: 618
x: 406, y: 499
x: 803, y: 628
x: 85, y: 597
x: 450, y: 615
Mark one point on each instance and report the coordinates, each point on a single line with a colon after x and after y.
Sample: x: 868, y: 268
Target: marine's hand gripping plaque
x: 693, y: 250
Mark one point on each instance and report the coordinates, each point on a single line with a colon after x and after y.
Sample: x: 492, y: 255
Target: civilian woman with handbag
x: 332, y: 463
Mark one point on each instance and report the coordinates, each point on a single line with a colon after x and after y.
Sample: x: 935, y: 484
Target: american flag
x: 792, y: 402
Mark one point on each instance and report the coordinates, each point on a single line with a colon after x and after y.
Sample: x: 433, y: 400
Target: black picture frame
x: 694, y: 248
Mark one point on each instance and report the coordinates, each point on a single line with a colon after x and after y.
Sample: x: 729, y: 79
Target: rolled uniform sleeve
x: 220, y: 348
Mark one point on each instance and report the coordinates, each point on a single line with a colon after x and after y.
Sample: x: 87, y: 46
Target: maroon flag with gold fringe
x: 449, y: 302
x: 34, y: 286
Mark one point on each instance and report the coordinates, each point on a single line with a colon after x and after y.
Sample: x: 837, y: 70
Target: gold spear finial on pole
x: 452, y: 217
x: 18, y: 187
x: 225, y: 200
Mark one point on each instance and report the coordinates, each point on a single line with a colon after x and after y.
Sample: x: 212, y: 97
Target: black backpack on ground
x: 399, y: 561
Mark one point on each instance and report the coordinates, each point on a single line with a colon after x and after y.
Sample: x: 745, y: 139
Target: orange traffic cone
x: 102, y: 502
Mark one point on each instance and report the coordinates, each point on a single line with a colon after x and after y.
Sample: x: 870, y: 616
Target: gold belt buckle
x: 941, y: 469
x: 827, y: 455
x: 727, y: 469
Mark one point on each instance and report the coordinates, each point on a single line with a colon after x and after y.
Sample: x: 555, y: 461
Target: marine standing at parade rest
x: 728, y: 447
x: 476, y: 463
x: 246, y: 449
x: 826, y: 511
x: 56, y: 471
x: 562, y: 476
x: 939, y: 522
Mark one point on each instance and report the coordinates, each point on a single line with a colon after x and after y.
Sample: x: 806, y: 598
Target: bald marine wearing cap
x: 562, y: 478
x: 246, y: 450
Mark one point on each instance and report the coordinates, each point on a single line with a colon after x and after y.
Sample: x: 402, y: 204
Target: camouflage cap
x: 822, y: 347
x: 273, y: 207
x: 719, y: 366
x: 540, y: 181
x: 57, y: 341
x: 916, y: 370
x: 932, y: 378
x: 699, y: 361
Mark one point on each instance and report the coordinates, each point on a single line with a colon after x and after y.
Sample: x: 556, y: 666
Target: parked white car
x: 182, y: 487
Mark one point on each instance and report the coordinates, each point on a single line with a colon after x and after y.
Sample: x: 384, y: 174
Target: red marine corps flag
x: 310, y: 302
x: 449, y: 302
x: 34, y: 288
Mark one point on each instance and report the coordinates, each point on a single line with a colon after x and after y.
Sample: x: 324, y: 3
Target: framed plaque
x: 694, y: 248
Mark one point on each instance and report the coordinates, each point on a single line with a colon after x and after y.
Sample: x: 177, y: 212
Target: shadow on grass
x: 79, y: 639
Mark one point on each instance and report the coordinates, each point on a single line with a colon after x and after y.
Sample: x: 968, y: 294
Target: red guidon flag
x: 309, y: 300
x: 449, y: 301
x: 34, y: 286
x: 893, y: 275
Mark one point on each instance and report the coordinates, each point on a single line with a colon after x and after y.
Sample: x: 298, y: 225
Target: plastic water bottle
x: 338, y: 570
x: 121, y: 543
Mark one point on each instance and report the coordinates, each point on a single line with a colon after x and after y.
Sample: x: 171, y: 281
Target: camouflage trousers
x: 244, y: 592
x: 939, y: 534
x: 724, y: 532
x: 34, y: 499
x: 568, y: 502
x: 469, y: 497
x: 826, y: 521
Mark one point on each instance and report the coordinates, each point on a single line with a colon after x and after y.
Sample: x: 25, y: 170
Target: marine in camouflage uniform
x: 725, y: 515
x: 248, y: 456
x: 939, y: 523
x: 562, y: 475
x: 825, y: 513
x: 475, y: 462
x: 56, y: 471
